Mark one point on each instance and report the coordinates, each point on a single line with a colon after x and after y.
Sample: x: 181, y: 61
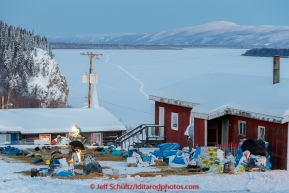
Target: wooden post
x: 9, y: 97
x: 2, y: 102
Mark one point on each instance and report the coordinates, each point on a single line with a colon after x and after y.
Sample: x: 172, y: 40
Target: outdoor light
x: 74, y: 128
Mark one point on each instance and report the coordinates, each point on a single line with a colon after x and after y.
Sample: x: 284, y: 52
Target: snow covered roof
x: 56, y: 120
x: 215, y: 94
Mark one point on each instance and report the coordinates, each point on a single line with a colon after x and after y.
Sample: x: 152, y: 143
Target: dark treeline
x: 17, y: 47
x: 267, y: 52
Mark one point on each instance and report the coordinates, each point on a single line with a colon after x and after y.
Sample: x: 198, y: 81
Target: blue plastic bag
x: 197, y: 152
x: 36, y: 160
x: 147, y: 158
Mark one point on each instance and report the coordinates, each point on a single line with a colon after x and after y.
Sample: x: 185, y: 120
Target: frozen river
x: 127, y: 77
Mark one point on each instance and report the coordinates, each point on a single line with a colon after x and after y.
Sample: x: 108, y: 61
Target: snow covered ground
x: 127, y: 77
x: 270, y: 181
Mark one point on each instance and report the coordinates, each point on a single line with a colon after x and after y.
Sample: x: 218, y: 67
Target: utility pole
x: 90, y: 55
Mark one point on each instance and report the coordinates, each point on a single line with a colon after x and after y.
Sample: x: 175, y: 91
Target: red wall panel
x: 199, y: 126
x: 183, y: 122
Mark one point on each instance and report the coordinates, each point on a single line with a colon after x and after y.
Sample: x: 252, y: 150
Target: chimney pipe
x: 276, y: 69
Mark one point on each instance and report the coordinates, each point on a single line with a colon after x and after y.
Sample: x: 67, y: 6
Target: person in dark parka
x: 256, y: 147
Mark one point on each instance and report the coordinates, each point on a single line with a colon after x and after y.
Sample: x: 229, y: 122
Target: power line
x: 125, y: 107
x: 129, y: 116
x: 78, y: 77
x: 79, y: 98
x: 118, y: 105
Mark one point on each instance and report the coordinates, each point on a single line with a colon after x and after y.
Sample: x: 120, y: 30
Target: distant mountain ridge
x: 215, y: 33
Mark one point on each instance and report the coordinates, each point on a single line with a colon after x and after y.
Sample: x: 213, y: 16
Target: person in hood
x: 190, y: 136
x: 76, y: 145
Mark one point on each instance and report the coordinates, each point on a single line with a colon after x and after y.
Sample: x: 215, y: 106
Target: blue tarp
x: 169, y: 146
x: 64, y: 174
x: 115, y: 152
x: 166, y: 149
x: 178, y: 160
x: 167, y: 153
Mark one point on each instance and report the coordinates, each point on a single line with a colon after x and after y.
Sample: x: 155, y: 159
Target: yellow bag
x: 240, y: 168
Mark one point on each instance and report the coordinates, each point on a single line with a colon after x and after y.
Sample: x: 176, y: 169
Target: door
x: 161, y: 121
x: 14, y: 138
x: 96, y: 138
x: 225, y: 131
x: 212, y: 133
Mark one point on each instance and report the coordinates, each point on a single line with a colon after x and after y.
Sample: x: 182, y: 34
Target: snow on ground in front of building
x: 270, y: 181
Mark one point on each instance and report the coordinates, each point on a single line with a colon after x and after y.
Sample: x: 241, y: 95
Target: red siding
x: 183, y: 122
x: 276, y: 134
x: 199, y: 126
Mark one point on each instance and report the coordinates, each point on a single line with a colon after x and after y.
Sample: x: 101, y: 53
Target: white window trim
x: 259, y: 132
x: 242, y: 131
x: 172, y: 126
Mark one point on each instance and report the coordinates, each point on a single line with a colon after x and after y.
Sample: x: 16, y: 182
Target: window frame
x: 6, y: 138
x: 242, y: 126
x: 259, y: 132
x: 172, y: 121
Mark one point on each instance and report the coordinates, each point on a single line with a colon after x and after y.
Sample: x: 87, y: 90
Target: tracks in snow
x: 132, y: 76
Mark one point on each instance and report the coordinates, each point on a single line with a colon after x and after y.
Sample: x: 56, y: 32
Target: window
x: 261, y: 132
x: 174, y: 121
x: 45, y: 136
x: 5, y: 139
x: 242, y: 128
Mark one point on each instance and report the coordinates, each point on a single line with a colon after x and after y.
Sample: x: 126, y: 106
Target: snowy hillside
x: 214, y: 33
x: 50, y: 84
x: 29, y: 76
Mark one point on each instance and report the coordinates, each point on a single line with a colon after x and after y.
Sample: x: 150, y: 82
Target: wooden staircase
x: 142, y: 134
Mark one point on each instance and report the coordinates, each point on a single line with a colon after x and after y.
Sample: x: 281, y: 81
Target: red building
x: 226, y: 108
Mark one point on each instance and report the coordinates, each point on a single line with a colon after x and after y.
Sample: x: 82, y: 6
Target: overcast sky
x: 72, y: 17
